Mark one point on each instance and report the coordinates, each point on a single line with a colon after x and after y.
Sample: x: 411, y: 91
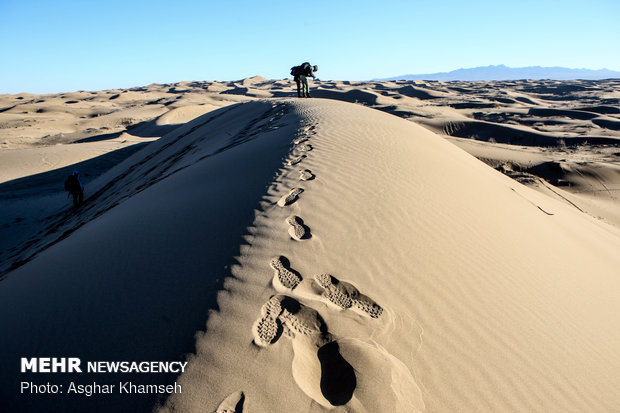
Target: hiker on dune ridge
x: 300, y: 75
x: 75, y: 188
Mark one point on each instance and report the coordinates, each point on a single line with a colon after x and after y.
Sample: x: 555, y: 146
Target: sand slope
x: 132, y: 274
x: 371, y: 266
x: 495, y: 297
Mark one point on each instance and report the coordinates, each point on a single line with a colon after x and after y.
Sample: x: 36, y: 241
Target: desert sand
x: 382, y: 247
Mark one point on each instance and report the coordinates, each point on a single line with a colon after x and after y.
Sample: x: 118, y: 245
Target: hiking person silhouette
x: 300, y: 75
x: 75, y: 188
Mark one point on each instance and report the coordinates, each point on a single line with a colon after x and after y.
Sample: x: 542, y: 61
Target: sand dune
x: 344, y: 259
x: 470, y: 317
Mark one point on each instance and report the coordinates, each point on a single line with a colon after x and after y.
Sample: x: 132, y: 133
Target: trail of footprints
x: 284, y: 315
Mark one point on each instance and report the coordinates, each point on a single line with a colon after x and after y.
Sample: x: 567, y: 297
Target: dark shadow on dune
x: 525, y: 100
x: 486, y: 131
x: 394, y: 110
x: 239, y: 406
x: 512, y: 117
x: 551, y: 171
x: 502, y: 100
x: 150, y: 129
x: 353, y: 96
x: 236, y: 91
x: 37, y: 190
x: 413, y: 92
x: 472, y: 105
x: 562, y: 90
x: 99, y: 138
x: 601, y: 109
x: 327, y: 85
x: 291, y: 94
x: 610, y: 101
x: 338, y: 379
x: 607, y: 124
x: 572, y: 114
x: 463, y: 90
x: 141, y: 275
x: 7, y: 108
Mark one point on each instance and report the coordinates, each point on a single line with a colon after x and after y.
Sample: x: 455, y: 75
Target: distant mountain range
x: 502, y: 72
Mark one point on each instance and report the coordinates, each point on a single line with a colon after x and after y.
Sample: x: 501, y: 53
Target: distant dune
x: 502, y: 72
x: 343, y: 253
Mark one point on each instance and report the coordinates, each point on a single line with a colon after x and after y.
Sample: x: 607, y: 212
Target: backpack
x: 305, y: 69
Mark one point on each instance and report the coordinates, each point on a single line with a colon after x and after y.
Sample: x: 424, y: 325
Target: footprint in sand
x: 290, y: 197
x: 284, y: 277
x: 296, y: 160
x: 298, y: 231
x: 300, y: 140
x: 268, y: 328
x: 310, y: 129
x: 342, y: 294
x: 346, y: 296
x: 306, y: 175
x: 232, y: 404
x: 318, y: 367
x: 304, y: 147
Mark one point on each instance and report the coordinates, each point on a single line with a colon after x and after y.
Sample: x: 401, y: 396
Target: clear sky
x: 60, y: 46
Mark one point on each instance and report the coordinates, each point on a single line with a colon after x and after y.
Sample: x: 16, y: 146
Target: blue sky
x: 59, y: 46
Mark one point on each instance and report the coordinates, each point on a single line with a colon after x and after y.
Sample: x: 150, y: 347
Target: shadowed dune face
x: 493, y: 132
x: 165, y: 158
x: 30, y: 204
x: 354, y: 96
x: 151, y: 246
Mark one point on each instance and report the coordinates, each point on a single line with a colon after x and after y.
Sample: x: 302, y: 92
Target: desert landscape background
x: 559, y: 137
x: 392, y: 246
